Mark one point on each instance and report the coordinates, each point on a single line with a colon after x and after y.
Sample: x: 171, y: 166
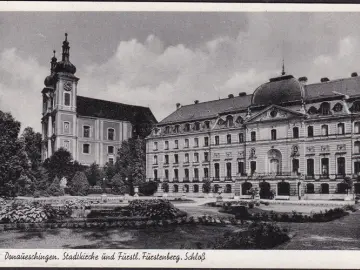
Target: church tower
x: 59, y: 105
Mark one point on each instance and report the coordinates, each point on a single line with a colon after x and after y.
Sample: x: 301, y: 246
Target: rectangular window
x: 341, y: 166
x: 196, y: 174
x: 253, y: 136
x: 295, y: 165
x: 241, y: 168
x: 241, y: 137
x: 207, y: 124
x: 325, y: 130
x: 86, y: 148
x: 86, y: 131
x: 217, y: 170
x: 341, y: 129
x: 166, y: 174
x: 357, y: 167
x: 111, y: 134
x: 206, y: 172
x: 176, y: 158
x: 273, y: 134
x: 186, y: 158
x: 155, y: 160
x: 155, y: 146
x: 217, y: 140
x: 228, y: 170
x: 228, y: 139
x: 310, y: 167
x: 196, y: 142
x: 66, y: 127
x: 67, y: 99
x: 206, y: 156
x: 310, y: 131
x: 357, y: 127
x: 186, y: 172
x: 206, y: 141
x: 67, y: 145
x: 155, y: 174
x: 110, y: 149
x: 176, y: 174
x: 111, y: 160
x: 295, y: 132
x: 186, y: 143
x: 253, y: 167
x: 196, y: 157
x: 325, y: 166
x: 166, y: 159
x: 166, y: 145
x: 176, y: 144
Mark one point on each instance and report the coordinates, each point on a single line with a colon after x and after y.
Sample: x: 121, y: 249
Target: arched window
x: 273, y: 134
x: 229, y: 121
x: 176, y: 188
x: 186, y: 188
x: 310, y: 188
x: 355, y: 107
x: 111, y: 134
x: 310, y: 130
x: 341, y: 128
x: 196, y: 188
x: 295, y: 132
x: 324, y: 130
x: 341, y: 188
x: 228, y: 188
x: 325, y: 108
x: 228, y: 139
x: 245, y: 187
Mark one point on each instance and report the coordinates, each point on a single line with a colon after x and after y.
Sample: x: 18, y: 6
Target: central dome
x: 278, y: 90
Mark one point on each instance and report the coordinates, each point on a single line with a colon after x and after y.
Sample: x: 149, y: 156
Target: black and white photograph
x: 179, y: 130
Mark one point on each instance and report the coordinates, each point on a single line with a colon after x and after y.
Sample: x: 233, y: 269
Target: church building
x: 288, y: 139
x: 92, y: 130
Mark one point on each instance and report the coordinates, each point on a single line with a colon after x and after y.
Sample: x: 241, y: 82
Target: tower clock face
x: 67, y: 86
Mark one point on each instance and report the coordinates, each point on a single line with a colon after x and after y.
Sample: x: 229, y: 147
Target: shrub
x: 54, y: 189
x: 148, y: 188
x: 154, y: 209
x: 165, y: 187
x: 259, y: 236
x: 251, y: 205
x: 349, y: 207
x: 207, y: 186
x: 79, y: 185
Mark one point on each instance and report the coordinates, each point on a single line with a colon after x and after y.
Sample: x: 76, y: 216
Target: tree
x: 79, y: 185
x: 131, y: 161
x: 54, y: 189
x: 93, y: 174
x: 118, y: 185
x: 32, y: 141
x: 148, y: 188
x: 13, y: 159
x: 61, y: 164
x: 349, y: 182
x: 207, y: 186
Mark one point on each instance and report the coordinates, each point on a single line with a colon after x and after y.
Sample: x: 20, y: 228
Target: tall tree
x: 32, y: 141
x: 13, y: 159
x: 131, y: 161
x: 93, y: 174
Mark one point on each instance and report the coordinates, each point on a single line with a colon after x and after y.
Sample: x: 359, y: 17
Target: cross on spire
x: 283, y: 68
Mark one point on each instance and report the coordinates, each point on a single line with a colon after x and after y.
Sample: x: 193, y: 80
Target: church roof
x: 347, y: 86
x: 92, y: 107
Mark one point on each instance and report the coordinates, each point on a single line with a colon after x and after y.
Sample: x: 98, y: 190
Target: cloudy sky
x: 157, y: 59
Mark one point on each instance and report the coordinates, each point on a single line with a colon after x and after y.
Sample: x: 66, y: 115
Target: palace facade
x: 288, y: 138
x: 90, y: 129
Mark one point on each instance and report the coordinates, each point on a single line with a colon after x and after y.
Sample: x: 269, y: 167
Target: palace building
x: 288, y: 139
x: 91, y: 129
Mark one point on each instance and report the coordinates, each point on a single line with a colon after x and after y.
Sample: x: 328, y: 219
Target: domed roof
x: 49, y: 80
x: 278, y: 90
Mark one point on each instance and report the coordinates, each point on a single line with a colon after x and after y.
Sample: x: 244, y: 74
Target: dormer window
x: 187, y: 127
x: 338, y: 107
x: 111, y: 134
x: 229, y: 121
x: 355, y: 107
x: 167, y: 130
x: 312, y: 110
x: 207, y: 124
x: 325, y: 108
x: 176, y: 129
x: 197, y: 126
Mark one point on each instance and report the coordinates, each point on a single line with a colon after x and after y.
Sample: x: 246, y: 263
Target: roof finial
x: 283, y: 68
x: 54, y: 52
x: 65, y: 36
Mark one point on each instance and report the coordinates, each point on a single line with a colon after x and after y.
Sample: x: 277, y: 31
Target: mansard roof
x: 311, y: 92
x: 209, y: 109
x: 92, y: 107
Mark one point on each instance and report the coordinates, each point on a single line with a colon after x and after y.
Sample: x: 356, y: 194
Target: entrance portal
x: 265, y: 192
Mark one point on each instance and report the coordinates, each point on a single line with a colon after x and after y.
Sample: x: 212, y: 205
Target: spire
x: 53, y: 62
x: 66, y: 49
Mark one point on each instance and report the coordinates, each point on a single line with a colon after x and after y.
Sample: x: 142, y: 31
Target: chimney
x: 325, y: 79
x: 196, y: 102
x: 241, y: 94
x: 230, y: 96
x: 178, y: 105
x: 354, y: 74
x: 303, y: 80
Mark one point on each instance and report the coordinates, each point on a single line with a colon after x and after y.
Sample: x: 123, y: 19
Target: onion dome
x: 278, y: 90
x: 65, y: 65
x: 50, y: 80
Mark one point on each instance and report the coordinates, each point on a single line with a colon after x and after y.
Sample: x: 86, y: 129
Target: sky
x: 157, y: 59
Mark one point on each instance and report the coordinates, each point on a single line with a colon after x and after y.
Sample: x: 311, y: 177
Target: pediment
x: 274, y: 113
